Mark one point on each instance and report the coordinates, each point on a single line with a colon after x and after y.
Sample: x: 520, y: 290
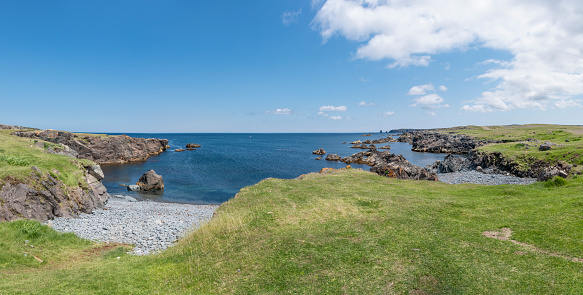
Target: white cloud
x: 421, y: 89
x: 442, y: 88
x: 279, y: 112
x: 335, y: 118
x: 288, y: 17
x: 430, y: 101
x: 333, y: 109
x: 323, y: 114
x: 387, y: 113
x: 544, y: 37
x: 366, y: 104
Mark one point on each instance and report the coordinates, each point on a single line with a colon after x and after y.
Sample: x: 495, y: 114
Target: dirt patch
x: 504, y: 235
x: 485, y: 127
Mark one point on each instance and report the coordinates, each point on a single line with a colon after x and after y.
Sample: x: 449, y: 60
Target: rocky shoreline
x: 150, y: 226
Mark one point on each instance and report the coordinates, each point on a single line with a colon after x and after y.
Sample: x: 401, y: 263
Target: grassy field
x: 568, y: 140
x: 18, y: 155
x: 348, y: 232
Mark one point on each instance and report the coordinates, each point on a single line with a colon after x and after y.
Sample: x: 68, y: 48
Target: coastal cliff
x: 113, y: 149
x: 49, y: 173
x: 42, y: 196
x: 535, y: 151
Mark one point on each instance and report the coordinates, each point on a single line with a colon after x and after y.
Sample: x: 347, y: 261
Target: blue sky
x: 288, y: 66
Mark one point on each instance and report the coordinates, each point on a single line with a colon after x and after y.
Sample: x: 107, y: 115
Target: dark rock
x: 150, y: 181
x: 191, y: 149
x: 193, y: 145
x: 333, y: 157
x: 396, y: 166
x: 356, y: 142
x: 545, y: 146
x: 113, y: 149
x: 319, y: 152
x: 386, y: 147
x: 384, y: 140
x: 435, y: 142
x: 451, y: 163
x: 179, y: 150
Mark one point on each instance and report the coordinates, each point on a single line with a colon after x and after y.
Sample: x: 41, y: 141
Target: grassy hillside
x: 350, y: 232
x: 568, y: 140
x: 18, y: 155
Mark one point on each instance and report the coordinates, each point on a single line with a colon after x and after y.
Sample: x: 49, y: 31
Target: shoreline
x: 149, y: 225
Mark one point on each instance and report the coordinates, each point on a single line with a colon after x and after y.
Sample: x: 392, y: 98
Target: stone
x: 319, y: 158
x: 151, y: 181
x: 193, y: 145
x: 96, y: 172
x: 179, y: 150
x: 333, y: 157
x: 319, y: 152
x: 133, y: 187
x: 545, y: 146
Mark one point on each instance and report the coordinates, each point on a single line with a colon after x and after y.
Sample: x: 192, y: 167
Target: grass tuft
x: 555, y: 182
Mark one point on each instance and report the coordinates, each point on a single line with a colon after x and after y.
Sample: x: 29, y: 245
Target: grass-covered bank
x: 349, y: 232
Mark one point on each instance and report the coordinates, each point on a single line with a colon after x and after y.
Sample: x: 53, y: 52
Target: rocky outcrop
x: 319, y: 152
x: 113, y: 149
x: 451, y: 163
x: 396, y: 166
x: 384, y: 140
x: 192, y: 145
x: 42, y: 196
x: 498, y: 163
x: 150, y: 181
x: 13, y: 127
x: 406, y: 137
x: 435, y: 142
x: 333, y: 157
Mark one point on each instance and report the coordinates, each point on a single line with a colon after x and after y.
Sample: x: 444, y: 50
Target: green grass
x: 350, y: 232
x: 568, y: 140
x: 18, y: 155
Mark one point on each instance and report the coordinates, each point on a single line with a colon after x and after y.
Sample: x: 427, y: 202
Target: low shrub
x: 555, y: 182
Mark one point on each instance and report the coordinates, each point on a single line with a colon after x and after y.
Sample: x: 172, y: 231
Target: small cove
x: 227, y: 162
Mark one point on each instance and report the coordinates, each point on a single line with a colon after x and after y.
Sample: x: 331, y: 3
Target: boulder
x: 193, y: 145
x: 356, y: 142
x: 179, y: 150
x: 333, y: 157
x: 150, y: 181
x: 386, y: 147
x: 545, y: 146
x: 319, y: 152
x: 133, y: 187
x: 96, y: 172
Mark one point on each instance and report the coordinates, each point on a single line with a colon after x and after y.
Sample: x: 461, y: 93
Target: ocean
x: 226, y: 162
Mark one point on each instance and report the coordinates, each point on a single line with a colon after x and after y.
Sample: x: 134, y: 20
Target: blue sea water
x: 226, y: 163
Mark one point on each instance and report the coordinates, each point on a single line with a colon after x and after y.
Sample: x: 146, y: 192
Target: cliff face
x: 116, y: 149
x: 43, y: 197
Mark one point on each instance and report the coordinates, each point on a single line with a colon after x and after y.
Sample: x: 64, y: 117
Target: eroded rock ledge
x: 42, y: 196
x: 113, y: 149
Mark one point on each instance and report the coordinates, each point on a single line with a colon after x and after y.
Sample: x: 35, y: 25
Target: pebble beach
x: 150, y: 226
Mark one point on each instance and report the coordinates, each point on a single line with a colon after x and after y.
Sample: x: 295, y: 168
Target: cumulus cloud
x: 388, y: 113
x: 279, y: 112
x: 333, y: 109
x: 421, y: 89
x: 430, y: 101
x: 544, y: 37
x: 366, y: 104
x: 290, y: 17
x: 335, y: 118
x: 442, y: 88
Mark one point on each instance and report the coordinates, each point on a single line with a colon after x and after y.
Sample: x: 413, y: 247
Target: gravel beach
x: 150, y: 226
x: 482, y: 178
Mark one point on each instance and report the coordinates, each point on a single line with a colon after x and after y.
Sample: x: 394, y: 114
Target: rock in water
x: 319, y: 152
x: 193, y: 145
x: 150, y: 181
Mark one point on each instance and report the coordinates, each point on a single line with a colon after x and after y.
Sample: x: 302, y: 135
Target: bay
x: 226, y: 162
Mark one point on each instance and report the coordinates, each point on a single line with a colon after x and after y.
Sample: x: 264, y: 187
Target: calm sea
x: 226, y: 163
